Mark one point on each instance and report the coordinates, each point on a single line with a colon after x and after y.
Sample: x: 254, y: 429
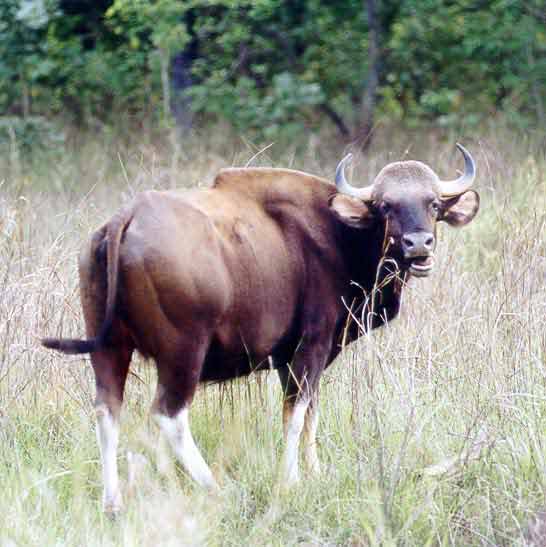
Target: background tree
x: 273, y: 68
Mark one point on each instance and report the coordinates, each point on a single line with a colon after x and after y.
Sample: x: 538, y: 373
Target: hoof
x: 314, y: 469
x: 289, y: 481
x: 113, y: 506
x: 213, y: 487
x: 284, y: 485
x: 136, y: 464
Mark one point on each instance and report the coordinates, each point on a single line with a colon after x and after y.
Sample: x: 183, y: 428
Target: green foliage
x: 28, y: 134
x: 23, y: 52
x: 264, y: 65
x: 144, y: 23
x: 279, y: 112
x: 451, y: 59
x: 272, y: 67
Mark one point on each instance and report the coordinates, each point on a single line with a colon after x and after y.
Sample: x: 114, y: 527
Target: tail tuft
x: 114, y: 233
x: 70, y: 346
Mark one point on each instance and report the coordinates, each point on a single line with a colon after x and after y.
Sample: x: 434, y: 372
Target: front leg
x: 293, y: 423
x: 300, y: 381
x: 310, y: 436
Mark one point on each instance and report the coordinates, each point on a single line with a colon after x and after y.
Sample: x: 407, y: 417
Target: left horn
x: 452, y: 188
x: 344, y: 187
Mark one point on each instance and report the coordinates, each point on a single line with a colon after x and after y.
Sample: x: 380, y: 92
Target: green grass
x: 461, y: 372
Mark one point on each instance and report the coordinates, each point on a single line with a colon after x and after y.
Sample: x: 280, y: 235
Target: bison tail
x: 114, y: 233
x: 71, y: 346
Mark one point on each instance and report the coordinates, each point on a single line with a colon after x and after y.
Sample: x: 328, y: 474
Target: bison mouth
x: 421, y: 266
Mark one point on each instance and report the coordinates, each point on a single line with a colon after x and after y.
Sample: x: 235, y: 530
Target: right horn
x: 452, y: 188
x: 343, y: 187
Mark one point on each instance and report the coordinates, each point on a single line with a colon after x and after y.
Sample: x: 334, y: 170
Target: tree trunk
x: 364, y: 131
x: 181, y: 82
x: 336, y: 119
x: 535, y: 86
x: 25, y: 97
x: 164, y: 64
x: 182, y: 78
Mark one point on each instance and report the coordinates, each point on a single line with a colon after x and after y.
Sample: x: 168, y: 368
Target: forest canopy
x: 270, y: 66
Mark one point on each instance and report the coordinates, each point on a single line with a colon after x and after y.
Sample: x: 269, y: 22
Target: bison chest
x: 369, y: 310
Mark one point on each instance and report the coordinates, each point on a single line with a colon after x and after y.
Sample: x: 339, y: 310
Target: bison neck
x: 373, y: 293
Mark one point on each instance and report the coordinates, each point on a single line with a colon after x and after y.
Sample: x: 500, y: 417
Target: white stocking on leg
x: 293, y: 421
x: 107, y: 438
x: 178, y: 433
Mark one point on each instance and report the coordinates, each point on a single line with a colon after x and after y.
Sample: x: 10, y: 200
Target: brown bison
x: 266, y: 263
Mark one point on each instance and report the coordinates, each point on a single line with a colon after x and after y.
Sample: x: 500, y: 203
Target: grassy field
x: 432, y: 430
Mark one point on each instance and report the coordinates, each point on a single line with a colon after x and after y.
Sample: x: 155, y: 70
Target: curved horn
x: 344, y: 187
x: 452, y: 188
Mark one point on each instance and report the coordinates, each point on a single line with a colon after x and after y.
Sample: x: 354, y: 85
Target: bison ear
x: 351, y: 211
x: 460, y: 210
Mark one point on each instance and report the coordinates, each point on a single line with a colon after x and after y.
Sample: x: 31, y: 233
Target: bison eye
x: 385, y: 207
x: 435, y: 206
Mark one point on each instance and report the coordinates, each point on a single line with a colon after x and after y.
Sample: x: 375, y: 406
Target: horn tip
x: 461, y: 147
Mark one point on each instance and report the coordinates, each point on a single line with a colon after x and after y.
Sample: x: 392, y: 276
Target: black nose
x: 417, y: 244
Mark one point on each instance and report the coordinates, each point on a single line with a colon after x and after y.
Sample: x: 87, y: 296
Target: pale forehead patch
x: 406, y: 172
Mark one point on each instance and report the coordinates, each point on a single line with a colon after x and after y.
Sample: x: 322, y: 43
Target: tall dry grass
x: 432, y: 431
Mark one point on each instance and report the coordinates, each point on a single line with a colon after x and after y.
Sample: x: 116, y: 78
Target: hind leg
x: 176, y: 429
x: 178, y: 377
x: 111, y: 367
x: 110, y: 364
